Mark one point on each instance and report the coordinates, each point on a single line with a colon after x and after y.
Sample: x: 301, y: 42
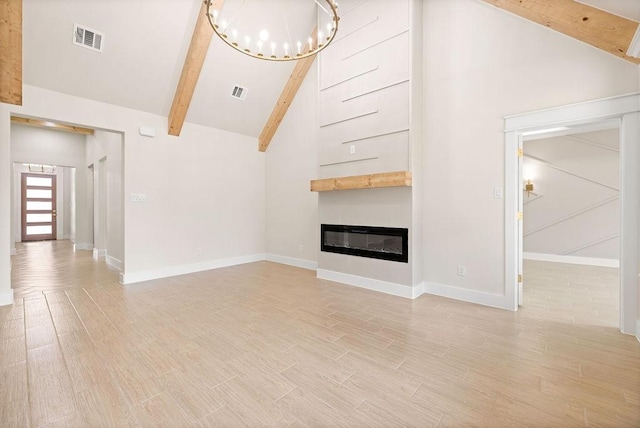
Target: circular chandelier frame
x: 309, y: 49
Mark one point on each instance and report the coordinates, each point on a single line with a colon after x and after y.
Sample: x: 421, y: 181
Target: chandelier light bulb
x: 257, y: 45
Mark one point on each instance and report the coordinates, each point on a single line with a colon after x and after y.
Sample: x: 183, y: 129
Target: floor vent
x: 88, y: 38
x: 239, y: 92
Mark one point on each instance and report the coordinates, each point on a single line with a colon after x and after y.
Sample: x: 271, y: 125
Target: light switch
x: 138, y: 197
x: 497, y: 193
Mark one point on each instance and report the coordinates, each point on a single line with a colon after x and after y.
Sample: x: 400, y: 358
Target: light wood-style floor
x: 264, y: 344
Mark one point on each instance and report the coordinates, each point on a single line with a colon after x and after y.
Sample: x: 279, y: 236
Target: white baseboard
x: 371, y: 284
x: 292, y: 261
x: 12, y: 251
x: 81, y: 246
x: 466, y: 295
x: 589, y: 261
x: 113, y: 262
x: 99, y: 253
x: 133, y: 277
x: 638, y: 330
x: 6, y: 297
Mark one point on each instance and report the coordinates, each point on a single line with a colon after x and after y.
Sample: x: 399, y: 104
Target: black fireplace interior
x: 386, y: 243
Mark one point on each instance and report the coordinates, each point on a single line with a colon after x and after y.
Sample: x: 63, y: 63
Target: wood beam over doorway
x: 286, y: 97
x: 11, y: 52
x: 51, y: 125
x: 603, y: 30
x: 196, y: 54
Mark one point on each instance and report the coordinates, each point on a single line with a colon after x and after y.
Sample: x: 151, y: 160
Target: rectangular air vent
x: 239, y: 92
x: 88, y: 38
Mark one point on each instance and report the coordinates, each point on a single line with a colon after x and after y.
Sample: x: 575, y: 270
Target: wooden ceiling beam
x: 11, y: 52
x: 51, y: 125
x: 603, y: 30
x: 286, y: 97
x: 191, y: 69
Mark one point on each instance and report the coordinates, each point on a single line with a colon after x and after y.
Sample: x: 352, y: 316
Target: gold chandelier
x: 255, y: 40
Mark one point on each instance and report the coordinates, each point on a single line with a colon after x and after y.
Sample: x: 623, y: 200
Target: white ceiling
x: 144, y: 49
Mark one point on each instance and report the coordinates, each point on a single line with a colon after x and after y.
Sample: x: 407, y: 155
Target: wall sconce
x: 528, y: 187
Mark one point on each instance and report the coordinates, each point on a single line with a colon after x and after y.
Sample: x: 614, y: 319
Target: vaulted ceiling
x: 145, y: 47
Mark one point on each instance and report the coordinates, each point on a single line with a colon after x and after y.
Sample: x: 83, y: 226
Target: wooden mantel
x: 368, y: 181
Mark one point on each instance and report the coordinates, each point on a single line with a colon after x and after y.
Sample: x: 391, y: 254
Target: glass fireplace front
x: 386, y: 243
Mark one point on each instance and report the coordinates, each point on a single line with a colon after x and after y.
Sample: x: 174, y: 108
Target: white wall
x: 291, y: 162
x: 205, y: 189
x: 107, y: 146
x: 575, y: 207
x: 44, y: 146
x: 481, y: 64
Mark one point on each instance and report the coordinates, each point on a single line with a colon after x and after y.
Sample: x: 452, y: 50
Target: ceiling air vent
x: 87, y: 38
x: 239, y: 92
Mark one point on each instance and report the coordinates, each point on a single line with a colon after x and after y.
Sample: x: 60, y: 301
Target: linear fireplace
x: 386, y: 243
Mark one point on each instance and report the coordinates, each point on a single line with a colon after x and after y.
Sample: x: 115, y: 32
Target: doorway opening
x: 571, y: 225
x: 624, y: 111
x: 70, y: 218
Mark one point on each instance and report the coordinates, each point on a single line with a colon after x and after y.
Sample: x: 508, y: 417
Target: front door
x: 38, y: 207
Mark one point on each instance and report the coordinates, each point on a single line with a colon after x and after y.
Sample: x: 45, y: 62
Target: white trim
x: 629, y: 220
x: 6, y: 297
x: 81, y: 246
x: 392, y: 288
x: 573, y: 114
x: 512, y: 190
x: 99, y: 253
x: 576, y: 260
x: 13, y: 251
x: 638, y: 330
x: 634, y: 46
x: 292, y: 261
x: 131, y: 278
x: 467, y: 295
x: 113, y: 262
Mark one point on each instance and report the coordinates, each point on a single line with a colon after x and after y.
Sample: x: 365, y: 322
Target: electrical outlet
x: 352, y: 149
x: 462, y: 270
x: 301, y: 248
x: 497, y: 193
x: 198, y: 251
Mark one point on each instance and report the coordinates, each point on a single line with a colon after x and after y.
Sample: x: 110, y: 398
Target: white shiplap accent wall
x: 365, y: 91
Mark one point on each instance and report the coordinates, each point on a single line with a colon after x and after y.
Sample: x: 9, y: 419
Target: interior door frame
x: 625, y: 110
x: 23, y: 210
